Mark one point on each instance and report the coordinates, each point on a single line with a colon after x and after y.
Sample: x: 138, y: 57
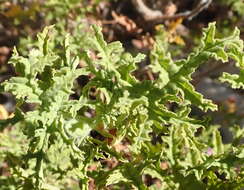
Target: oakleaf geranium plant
x: 67, y: 142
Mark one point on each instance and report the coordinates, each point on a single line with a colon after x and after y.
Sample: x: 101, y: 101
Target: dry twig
x: 157, y: 16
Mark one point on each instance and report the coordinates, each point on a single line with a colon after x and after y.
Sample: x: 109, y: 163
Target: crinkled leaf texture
x: 67, y: 137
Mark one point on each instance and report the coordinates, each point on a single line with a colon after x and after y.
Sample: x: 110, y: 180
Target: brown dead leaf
x: 92, y: 167
x: 110, y: 163
x: 4, y: 50
x: 3, y: 59
x: 129, y: 25
x: 4, y: 169
x: 113, y: 132
x: 145, y: 42
x: 91, y: 184
x: 164, y: 165
x: 231, y: 104
x: 170, y: 9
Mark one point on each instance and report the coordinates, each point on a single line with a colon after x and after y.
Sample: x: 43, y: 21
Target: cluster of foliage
x: 63, y: 139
